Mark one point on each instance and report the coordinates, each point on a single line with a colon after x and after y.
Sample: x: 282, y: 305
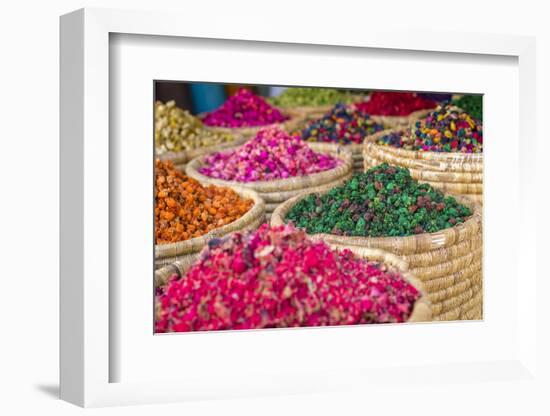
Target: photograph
x: 286, y: 206
x: 267, y: 209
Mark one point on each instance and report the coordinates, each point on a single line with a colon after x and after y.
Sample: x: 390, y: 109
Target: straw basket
x: 356, y: 150
x: 180, y: 159
x: 168, y: 253
x: 422, y: 311
x: 295, y: 118
x: 454, y: 173
x: 448, y: 262
x: 316, y: 111
x: 401, y: 121
x: 312, y: 112
x: 422, y: 308
x: 274, y: 192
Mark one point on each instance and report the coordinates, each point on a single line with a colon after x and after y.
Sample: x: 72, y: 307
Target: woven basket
x: 168, y: 253
x: 180, y: 159
x: 295, y: 118
x: 401, y: 121
x: 274, y: 192
x: 356, y: 150
x: 448, y: 262
x: 312, y: 112
x: 454, y: 173
x: 316, y: 111
x: 422, y: 311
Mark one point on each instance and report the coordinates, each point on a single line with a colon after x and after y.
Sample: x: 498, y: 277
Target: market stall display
x: 313, y: 102
x: 277, y: 277
x: 438, y: 236
x: 342, y: 127
x: 444, y: 149
x: 188, y: 214
x: 396, y: 174
x: 244, y: 113
x: 274, y: 164
x: 180, y: 136
x: 396, y: 109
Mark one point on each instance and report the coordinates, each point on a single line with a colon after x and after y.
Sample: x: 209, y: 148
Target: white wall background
x: 29, y: 57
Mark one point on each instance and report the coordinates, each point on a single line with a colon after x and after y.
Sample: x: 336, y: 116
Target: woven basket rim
x: 293, y: 117
x: 181, y: 247
x: 355, y: 148
x: 310, y: 108
x: 449, y: 182
x: 164, y: 261
x: 184, y: 156
x: 438, y: 239
x: 287, y: 184
x: 281, y: 196
x: 417, y: 154
x: 422, y: 168
x: 407, y: 120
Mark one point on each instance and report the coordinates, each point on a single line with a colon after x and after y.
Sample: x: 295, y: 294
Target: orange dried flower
x: 185, y: 209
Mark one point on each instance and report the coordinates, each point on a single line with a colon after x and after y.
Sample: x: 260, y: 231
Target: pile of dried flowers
x: 385, y: 201
x: 185, y: 209
x: 271, y: 154
x: 342, y: 125
x: 177, y: 130
x: 394, y: 103
x: 305, y: 97
x: 446, y: 129
x: 244, y: 109
x: 277, y: 277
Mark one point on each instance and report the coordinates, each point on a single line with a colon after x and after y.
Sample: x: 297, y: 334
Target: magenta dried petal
x: 266, y: 157
x: 244, y: 109
x: 277, y: 277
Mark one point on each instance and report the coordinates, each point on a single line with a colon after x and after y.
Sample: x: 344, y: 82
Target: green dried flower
x: 384, y: 201
x: 305, y: 97
x: 472, y: 104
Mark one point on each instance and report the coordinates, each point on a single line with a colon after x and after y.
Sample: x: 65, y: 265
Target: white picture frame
x: 87, y: 357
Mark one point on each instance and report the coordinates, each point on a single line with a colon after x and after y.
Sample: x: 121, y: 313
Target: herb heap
x: 311, y: 97
x: 394, y: 103
x: 472, y: 104
x: 342, y: 125
x: 446, y: 129
x: 271, y: 154
x: 177, y: 130
x: 277, y: 277
x: 384, y: 201
x: 185, y: 209
x: 244, y: 109
x: 437, y: 96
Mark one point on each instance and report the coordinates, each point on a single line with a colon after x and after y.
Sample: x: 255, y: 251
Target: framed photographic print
x: 284, y: 212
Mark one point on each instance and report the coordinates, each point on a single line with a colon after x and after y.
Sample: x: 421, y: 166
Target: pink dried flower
x: 271, y: 154
x: 244, y: 109
x: 277, y: 277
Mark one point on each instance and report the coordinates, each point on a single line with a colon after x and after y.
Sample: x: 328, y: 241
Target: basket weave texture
x: 356, y: 150
x: 448, y: 262
x: 166, y: 254
x: 454, y: 173
x: 180, y: 159
x: 312, y: 112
